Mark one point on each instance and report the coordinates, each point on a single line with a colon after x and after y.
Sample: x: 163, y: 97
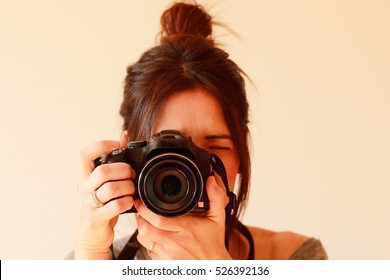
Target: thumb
x: 217, y: 197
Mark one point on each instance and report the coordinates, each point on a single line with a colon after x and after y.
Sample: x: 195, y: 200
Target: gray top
x: 311, y: 249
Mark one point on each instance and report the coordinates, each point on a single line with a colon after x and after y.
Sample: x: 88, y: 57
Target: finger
x: 160, y: 222
x: 217, y: 198
x: 166, y: 244
x: 109, y: 172
x: 93, y: 151
x: 115, y: 207
x: 155, y: 241
x: 114, y: 189
x: 146, y: 229
x: 153, y: 248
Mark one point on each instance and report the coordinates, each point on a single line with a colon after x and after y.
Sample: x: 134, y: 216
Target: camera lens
x: 170, y: 184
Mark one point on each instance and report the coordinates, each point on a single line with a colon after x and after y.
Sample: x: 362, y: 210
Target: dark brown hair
x: 187, y: 58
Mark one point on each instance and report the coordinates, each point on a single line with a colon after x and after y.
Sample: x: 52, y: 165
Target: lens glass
x: 170, y: 185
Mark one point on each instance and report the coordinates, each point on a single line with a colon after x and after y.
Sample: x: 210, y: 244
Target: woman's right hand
x: 114, y: 188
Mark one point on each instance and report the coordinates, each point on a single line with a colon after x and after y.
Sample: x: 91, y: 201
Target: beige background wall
x: 320, y: 113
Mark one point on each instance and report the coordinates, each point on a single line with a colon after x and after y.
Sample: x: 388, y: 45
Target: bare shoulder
x: 274, y: 245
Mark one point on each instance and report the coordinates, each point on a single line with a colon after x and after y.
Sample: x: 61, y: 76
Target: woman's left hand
x: 189, y: 236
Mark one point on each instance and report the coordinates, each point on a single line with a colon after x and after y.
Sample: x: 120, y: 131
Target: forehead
x: 193, y: 112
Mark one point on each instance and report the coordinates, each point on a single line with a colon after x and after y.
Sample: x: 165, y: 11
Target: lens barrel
x: 170, y: 184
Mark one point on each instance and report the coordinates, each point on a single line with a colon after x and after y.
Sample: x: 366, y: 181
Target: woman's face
x: 197, y: 114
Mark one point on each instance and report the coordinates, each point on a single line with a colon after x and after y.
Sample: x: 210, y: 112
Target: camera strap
x: 231, y: 207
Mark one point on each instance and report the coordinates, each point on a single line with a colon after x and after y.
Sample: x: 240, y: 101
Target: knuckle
x: 108, y: 189
x: 132, y: 172
x: 140, y: 239
x: 158, y: 222
x: 127, y: 170
x: 117, y: 205
x: 104, y: 170
x: 131, y: 187
x: 122, y: 204
x: 141, y: 226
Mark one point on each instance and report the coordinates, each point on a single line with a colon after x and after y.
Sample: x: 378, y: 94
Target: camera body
x: 171, y: 173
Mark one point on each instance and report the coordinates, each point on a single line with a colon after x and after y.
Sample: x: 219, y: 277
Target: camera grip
x: 115, y: 156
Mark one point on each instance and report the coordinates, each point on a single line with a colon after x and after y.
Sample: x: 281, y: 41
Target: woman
x: 189, y: 85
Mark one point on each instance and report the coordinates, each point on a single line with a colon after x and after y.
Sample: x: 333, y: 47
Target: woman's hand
x: 188, y: 236
x: 113, y: 188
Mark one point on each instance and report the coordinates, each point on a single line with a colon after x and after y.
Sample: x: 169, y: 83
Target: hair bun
x: 182, y: 20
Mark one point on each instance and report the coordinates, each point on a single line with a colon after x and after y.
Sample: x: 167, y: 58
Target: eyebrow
x: 218, y: 136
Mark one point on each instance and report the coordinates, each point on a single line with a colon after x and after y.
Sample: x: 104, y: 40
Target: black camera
x: 171, y: 173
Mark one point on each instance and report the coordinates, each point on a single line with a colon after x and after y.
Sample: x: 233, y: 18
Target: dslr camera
x: 171, y: 173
